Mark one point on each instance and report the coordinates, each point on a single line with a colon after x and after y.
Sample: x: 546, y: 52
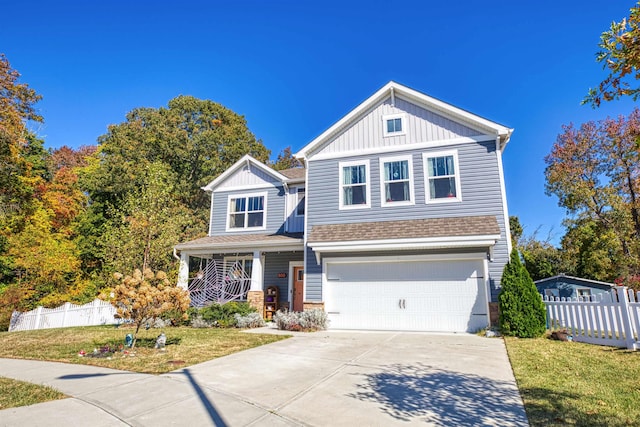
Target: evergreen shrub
x: 522, y: 311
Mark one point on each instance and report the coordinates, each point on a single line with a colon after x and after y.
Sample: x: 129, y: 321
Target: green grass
x: 17, y: 393
x: 576, y: 384
x: 185, y: 346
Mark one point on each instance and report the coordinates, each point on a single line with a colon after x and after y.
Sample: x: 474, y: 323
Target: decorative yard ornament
x: 220, y: 282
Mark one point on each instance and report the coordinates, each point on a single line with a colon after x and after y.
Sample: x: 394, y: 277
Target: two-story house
x: 398, y: 220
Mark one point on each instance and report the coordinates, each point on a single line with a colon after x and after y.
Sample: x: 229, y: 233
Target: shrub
x: 221, y: 315
x: 251, y: 320
x: 145, y: 296
x: 310, y: 320
x: 522, y: 311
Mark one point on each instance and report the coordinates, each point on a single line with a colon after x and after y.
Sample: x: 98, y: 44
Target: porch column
x: 183, y: 271
x: 256, y: 272
x: 255, y: 296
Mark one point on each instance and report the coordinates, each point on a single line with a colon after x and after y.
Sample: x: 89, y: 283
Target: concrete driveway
x: 319, y: 379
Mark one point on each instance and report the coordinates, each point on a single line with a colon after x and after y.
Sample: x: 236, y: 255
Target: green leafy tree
x: 522, y: 311
x: 620, y: 55
x: 516, y: 230
x: 285, y: 160
x: 148, y: 223
x: 196, y: 139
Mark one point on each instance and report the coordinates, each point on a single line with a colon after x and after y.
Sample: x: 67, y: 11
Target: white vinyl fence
x: 94, y: 313
x: 611, y: 319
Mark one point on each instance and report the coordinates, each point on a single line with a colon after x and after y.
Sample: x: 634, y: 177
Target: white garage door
x: 409, y: 295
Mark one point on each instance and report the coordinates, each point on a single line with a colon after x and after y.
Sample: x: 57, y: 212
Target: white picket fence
x: 612, y: 318
x: 94, y: 313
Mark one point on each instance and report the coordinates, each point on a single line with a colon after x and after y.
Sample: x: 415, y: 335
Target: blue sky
x: 293, y: 68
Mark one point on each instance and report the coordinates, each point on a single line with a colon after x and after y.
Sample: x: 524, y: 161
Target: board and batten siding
x: 247, y: 176
x: 275, y: 208
x: 480, y: 190
x: 421, y: 125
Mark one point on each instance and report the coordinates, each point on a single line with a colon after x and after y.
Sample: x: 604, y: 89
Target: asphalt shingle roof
x: 294, y: 173
x: 238, y: 239
x: 406, y: 229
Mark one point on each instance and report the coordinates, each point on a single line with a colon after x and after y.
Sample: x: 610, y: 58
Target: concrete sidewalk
x: 324, y: 378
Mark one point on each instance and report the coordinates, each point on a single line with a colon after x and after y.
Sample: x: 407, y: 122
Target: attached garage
x: 407, y: 293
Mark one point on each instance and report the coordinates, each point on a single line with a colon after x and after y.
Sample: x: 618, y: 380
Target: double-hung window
x: 396, y: 181
x: 443, y: 180
x: 247, y: 212
x: 354, y: 185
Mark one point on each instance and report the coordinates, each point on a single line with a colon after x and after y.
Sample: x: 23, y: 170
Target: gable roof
x: 247, y: 159
x: 294, y: 174
x: 575, y: 281
x: 393, y: 89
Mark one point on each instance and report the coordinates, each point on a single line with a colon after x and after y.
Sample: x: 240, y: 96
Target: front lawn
x: 18, y: 393
x: 567, y: 383
x: 185, y: 346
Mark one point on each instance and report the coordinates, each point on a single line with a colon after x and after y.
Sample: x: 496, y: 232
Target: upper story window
x: 300, y: 205
x: 394, y: 124
x: 247, y: 212
x: 396, y: 180
x: 354, y: 185
x: 441, y: 172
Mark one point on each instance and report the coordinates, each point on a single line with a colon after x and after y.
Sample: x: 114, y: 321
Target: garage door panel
x: 421, y: 296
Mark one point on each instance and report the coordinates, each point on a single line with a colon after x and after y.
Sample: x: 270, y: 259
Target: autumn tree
x: 620, y: 55
x: 17, y: 108
x: 594, y: 170
x: 144, y: 296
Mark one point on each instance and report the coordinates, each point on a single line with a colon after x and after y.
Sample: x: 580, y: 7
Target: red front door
x: 298, y: 288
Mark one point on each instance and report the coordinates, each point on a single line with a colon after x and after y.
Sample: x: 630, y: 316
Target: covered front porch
x: 219, y: 269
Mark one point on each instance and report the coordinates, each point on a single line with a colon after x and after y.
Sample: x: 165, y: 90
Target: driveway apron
x: 334, y: 378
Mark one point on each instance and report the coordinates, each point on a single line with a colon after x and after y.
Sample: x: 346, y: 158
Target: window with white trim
x: 246, y: 212
x: 354, y: 185
x: 443, y: 180
x: 396, y: 180
x: 393, y: 124
x: 300, y: 205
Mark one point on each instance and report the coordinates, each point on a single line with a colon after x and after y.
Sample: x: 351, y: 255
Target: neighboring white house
x: 398, y: 221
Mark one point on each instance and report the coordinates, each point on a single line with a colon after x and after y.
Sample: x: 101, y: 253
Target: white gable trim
x: 393, y: 89
x: 246, y: 187
x: 246, y: 160
x: 406, y: 147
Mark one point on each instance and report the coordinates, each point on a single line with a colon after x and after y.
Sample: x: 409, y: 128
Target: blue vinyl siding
x: 480, y: 187
x: 275, y: 208
x: 278, y: 262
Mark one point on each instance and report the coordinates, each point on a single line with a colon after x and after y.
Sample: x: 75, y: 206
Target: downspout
x: 503, y: 190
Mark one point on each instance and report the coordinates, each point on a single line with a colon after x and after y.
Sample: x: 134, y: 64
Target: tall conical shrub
x: 522, y: 311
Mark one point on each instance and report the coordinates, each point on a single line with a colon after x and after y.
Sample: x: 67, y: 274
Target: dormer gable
x: 397, y: 116
x: 246, y: 172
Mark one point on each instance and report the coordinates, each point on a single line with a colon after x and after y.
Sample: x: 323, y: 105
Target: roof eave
x: 293, y: 244
x: 480, y: 241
